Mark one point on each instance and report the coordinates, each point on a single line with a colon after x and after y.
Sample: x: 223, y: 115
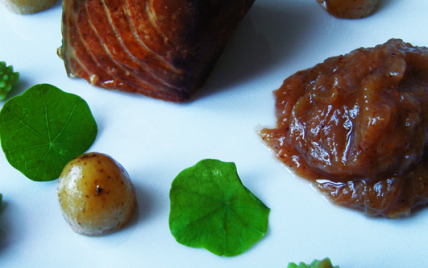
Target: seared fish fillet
x: 163, y: 49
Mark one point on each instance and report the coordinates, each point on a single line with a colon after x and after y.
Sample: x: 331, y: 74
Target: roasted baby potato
x: 28, y: 6
x: 96, y: 195
x: 350, y: 9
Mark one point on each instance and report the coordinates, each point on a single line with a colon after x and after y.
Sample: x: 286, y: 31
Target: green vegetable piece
x: 8, y: 78
x: 326, y: 263
x: 43, y: 129
x: 212, y: 209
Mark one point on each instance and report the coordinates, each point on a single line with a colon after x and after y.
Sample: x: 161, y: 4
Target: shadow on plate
x: 266, y: 37
x: 3, y: 237
x: 383, y: 4
x: 145, y: 206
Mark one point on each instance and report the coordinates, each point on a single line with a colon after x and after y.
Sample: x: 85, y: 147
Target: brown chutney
x: 356, y: 127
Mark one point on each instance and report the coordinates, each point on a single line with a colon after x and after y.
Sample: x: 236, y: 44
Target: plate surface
x: 154, y: 140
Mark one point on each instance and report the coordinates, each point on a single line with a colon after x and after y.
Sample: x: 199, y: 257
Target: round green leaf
x: 212, y: 209
x: 43, y: 129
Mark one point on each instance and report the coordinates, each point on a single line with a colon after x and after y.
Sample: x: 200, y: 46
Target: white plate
x: 154, y: 140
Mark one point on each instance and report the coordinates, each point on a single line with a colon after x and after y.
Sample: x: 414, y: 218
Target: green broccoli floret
x: 8, y: 78
x: 326, y: 263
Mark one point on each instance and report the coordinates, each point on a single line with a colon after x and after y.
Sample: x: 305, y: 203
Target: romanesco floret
x: 326, y: 263
x: 8, y: 78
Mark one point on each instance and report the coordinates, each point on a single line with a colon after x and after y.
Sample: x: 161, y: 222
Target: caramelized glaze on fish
x: 163, y: 49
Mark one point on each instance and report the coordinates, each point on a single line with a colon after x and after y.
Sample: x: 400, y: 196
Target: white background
x: 154, y: 140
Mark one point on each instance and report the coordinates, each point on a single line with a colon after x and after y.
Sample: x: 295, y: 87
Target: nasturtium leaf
x: 43, y: 129
x: 212, y: 209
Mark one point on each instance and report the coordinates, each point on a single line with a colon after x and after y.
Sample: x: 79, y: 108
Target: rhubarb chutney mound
x: 356, y: 127
x: 163, y: 49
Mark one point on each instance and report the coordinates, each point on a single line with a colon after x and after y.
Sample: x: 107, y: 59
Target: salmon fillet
x: 163, y: 49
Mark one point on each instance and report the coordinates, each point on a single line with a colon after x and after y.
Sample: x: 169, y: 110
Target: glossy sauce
x: 356, y: 126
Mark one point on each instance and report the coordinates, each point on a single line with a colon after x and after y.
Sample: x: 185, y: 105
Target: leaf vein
x: 200, y: 194
x: 41, y: 161
x: 53, y: 158
x: 27, y: 126
x: 243, y: 223
x: 27, y: 148
x: 46, y: 116
x: 262, y: 208
x: 218, y: 188
x: 200, y: 219
x: 66, y: 123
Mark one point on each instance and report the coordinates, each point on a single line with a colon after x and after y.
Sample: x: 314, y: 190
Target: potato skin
x: 96, y: 195
x: 350, y: 9
x: 28, y: 6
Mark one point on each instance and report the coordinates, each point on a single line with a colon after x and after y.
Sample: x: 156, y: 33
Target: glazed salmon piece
x: 163, y: 49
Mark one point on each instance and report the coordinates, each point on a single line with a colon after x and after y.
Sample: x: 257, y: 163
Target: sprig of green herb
x: 326, y: 263
x: 8, y: 78
x: 43, y: 129
x: 212, y: 209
